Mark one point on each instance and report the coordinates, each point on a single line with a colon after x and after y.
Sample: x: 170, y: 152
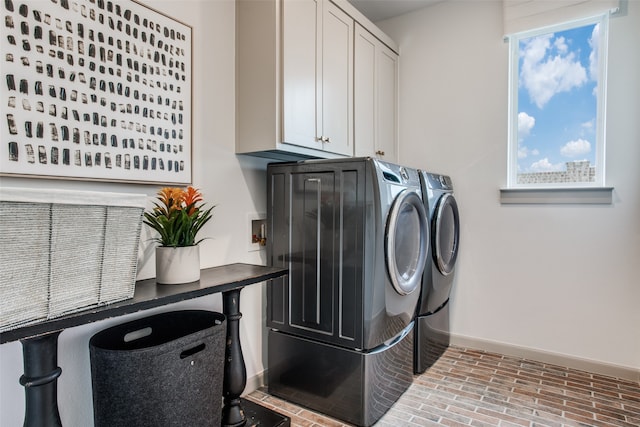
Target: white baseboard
x: 254, y: 383
x: 593, y: 366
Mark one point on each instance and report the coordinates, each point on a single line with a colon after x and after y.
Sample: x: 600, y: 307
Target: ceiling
x: 377, y: 10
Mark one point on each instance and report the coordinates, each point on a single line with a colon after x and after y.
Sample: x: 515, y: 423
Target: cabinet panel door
x: 375, y: 99
x: 387, y: 103
x: 364, y: 93
x: 302, y: 52
x: 337, y: 80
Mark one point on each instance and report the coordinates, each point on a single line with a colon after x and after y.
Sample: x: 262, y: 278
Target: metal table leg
x: 235, y: 372
x: 40, y: 380
x: 237, y: 412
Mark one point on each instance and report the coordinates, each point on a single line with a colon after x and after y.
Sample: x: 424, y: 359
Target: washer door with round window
x: 407, y: 242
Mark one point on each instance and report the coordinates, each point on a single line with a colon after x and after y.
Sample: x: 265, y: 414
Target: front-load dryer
x: 432, y: 335
x: 353, y: 234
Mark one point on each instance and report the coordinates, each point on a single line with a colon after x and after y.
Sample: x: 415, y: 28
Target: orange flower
x: 171, y: 197
x: 191, y: 197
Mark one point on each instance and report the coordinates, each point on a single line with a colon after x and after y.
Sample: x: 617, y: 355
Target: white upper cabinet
x: 295, y: 79
x: 301, y: 63
x: 375, y: 102
x: 337, y: 80
x: 317, y: 76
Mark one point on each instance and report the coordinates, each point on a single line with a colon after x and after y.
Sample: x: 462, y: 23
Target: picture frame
x: 95, y: 90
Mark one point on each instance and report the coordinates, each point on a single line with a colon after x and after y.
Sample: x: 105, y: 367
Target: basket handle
x: 137, y: 334
x: 191, y: 351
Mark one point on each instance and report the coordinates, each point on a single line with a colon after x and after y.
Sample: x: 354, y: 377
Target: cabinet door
x: 375, y: 102
x: 337, y: 80
x: 364, y: 90
x: 302, y: 52
x: 387, y: 103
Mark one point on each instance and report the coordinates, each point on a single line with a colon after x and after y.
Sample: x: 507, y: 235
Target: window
x: 557, y: 100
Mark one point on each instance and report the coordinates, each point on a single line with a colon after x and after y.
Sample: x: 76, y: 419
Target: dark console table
x: 40, y: 343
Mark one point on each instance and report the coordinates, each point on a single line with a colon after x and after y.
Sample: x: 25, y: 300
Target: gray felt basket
x: 65, y: 251
x: 162, y: 370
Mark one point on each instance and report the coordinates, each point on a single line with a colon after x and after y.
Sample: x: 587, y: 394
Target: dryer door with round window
x: 446, y: 234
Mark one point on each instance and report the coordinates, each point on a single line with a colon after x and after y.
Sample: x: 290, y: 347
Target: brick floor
x: 475, y: 388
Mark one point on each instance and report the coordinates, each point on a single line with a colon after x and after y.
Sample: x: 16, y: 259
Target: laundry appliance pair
x: 355, y: 237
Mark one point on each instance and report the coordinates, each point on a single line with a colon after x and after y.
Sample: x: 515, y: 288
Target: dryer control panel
x: 439, y: 182
x: 398, y: 174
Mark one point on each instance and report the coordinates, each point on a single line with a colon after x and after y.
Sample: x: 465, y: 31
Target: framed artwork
x: 95, y: 90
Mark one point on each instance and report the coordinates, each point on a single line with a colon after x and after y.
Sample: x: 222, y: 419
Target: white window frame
x: 514, y: 46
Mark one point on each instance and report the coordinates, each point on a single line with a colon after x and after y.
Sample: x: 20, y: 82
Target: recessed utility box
x: 257, y: 231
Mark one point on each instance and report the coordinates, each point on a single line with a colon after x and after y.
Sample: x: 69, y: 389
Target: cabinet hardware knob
x: 327, y: 139
x: 380, y: 153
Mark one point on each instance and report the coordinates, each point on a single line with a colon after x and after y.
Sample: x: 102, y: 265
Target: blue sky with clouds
x: 557, y: 99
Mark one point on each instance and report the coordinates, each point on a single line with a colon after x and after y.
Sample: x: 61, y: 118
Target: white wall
x: 558, y: 279
x: 237, y: 184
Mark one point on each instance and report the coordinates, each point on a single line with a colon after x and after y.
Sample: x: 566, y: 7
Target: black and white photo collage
x: 95, y: 89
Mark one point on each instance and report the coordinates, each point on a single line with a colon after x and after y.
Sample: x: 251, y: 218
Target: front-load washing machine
x: 354, y: 236
x: 432, y: 320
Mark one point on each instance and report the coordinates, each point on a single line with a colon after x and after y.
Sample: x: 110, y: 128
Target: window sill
x: 553, y: 196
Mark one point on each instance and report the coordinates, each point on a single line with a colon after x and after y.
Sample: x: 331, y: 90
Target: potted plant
x: 177, y: 217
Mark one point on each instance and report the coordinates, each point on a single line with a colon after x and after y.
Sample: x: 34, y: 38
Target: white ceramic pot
x: 177, y: 265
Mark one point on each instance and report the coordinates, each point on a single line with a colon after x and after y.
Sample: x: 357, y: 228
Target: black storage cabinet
x: 162, y: 370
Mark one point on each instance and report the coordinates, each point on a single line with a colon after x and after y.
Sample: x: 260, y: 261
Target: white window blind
x: 525, y: 15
